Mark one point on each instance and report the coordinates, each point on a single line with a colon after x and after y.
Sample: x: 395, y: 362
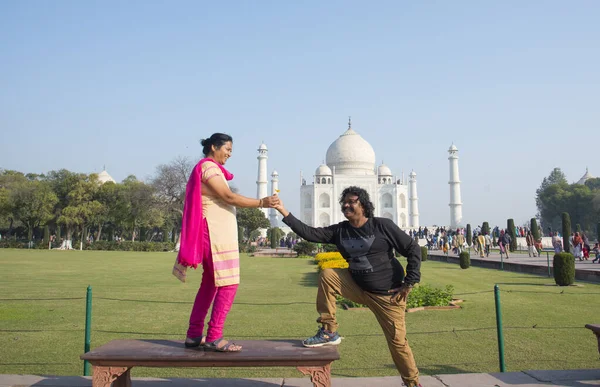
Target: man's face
x: 351, y: 207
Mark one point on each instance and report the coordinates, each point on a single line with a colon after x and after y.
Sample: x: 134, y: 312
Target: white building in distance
x: 350, y: 161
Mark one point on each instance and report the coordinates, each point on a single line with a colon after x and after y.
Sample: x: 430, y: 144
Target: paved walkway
x: 521, y: 262
x: 525, y: 259
x: 572, y: 378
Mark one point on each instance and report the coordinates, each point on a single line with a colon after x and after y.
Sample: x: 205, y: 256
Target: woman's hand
x: 270, y: 201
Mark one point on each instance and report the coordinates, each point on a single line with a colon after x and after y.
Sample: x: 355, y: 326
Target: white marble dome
x: 351, y: 154
x: 262, y: 147
x: 585, y: 177
x: 323, y: 170
x: 104, y: 177
x: 275, y: 174
x: 384, y: 170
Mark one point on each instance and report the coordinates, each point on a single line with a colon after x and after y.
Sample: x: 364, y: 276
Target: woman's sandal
x: 193, y: 342
x: 222, y: 345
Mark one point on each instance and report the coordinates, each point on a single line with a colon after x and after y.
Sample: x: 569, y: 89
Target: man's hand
x: 402, y: 291
x: 279, y: 207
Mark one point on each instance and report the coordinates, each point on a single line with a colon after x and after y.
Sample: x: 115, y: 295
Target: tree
x: 9, y: 180
x: 33, y: 204
x: 62, y: 183
x: 82, y: 209
x: 593, y: 184
x: 143, y: 209
x: 251, y: 219
x: 169, y: 183
x: 550, y: 196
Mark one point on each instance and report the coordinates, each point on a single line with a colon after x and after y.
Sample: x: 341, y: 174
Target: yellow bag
x: 179, y: 271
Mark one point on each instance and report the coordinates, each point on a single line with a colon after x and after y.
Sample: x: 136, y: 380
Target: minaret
x: 274, y: 190
x: 413, y: 207
x: 261, y: 182
x: 455, y: 201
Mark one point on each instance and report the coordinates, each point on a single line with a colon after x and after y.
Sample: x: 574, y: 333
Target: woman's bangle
x: 260, y: 203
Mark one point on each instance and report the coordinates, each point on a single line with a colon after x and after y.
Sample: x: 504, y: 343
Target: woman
x: 556, y: 243
x: 577, y: 246
x: 209, y: 236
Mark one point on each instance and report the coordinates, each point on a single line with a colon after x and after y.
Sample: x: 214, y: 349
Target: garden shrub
x: 426, y: 295
x: 465, y: 260
x: 424, y: 252
x: 305, y: 248
x: 564, y: 269
x: 328, y: 247
x: 421, y: 295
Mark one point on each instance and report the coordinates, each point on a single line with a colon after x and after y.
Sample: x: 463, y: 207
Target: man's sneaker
x: 322, y: 338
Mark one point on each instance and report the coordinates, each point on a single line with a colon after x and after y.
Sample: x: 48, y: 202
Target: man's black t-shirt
x: 369, y: 251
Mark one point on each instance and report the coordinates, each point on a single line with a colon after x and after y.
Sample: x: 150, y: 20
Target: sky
x: 131, y: 85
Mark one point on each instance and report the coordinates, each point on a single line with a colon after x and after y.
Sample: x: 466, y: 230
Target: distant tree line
x: 77, y: 206
x: 582, y: 201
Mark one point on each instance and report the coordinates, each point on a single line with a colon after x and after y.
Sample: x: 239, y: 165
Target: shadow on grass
x: 310, y: 279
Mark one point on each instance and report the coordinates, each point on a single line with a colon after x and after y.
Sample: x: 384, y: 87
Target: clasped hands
x: 270, y: 201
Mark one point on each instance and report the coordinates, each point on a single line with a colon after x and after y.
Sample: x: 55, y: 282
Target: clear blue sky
x: 514, y: 84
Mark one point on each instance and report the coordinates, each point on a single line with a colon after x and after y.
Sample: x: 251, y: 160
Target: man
x: 488, y: 244
x: 481, y: 245
x: 374, y: 278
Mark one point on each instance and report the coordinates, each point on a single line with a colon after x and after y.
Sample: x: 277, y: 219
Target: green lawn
x: 42, y: 315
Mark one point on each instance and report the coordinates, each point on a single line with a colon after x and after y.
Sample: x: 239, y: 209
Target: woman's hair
x: 217, y: 139
x: 363, y: 198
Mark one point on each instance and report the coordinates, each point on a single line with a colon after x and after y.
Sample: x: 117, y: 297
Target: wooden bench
x: 112, y: 362
x: 596, y: 329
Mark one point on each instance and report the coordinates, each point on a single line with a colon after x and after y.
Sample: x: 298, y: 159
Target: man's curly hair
x: 363, y: 198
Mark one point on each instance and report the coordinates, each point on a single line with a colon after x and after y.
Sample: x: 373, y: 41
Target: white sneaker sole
x: 335, y: 342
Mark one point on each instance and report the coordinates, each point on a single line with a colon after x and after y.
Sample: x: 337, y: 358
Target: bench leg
x: 105, y: 376
x: 319, y: 376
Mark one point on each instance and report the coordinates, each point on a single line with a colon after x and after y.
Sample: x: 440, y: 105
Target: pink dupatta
x: 192, y: 227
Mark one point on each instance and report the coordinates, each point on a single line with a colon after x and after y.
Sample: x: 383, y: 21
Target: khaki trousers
x: 388, y: 309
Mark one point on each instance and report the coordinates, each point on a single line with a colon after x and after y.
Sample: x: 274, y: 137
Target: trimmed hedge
x: 564, y: 269
x: 130, y: 246
x: 469, y: 235
x: 510, y: 226
x: 566, y: 231
x: 535, y: 231
x: 465, y: 260
x: 485, y: 228
x: 424, y: 252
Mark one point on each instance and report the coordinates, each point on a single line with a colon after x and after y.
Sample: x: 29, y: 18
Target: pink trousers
x: 221, y: 298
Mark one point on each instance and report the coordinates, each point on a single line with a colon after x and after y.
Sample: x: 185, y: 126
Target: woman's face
x: 223, y: 153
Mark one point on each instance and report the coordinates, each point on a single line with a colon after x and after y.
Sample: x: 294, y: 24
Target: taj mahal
x: 350, y: 160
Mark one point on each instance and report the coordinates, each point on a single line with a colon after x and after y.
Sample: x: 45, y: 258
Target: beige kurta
x: 222, y: 228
